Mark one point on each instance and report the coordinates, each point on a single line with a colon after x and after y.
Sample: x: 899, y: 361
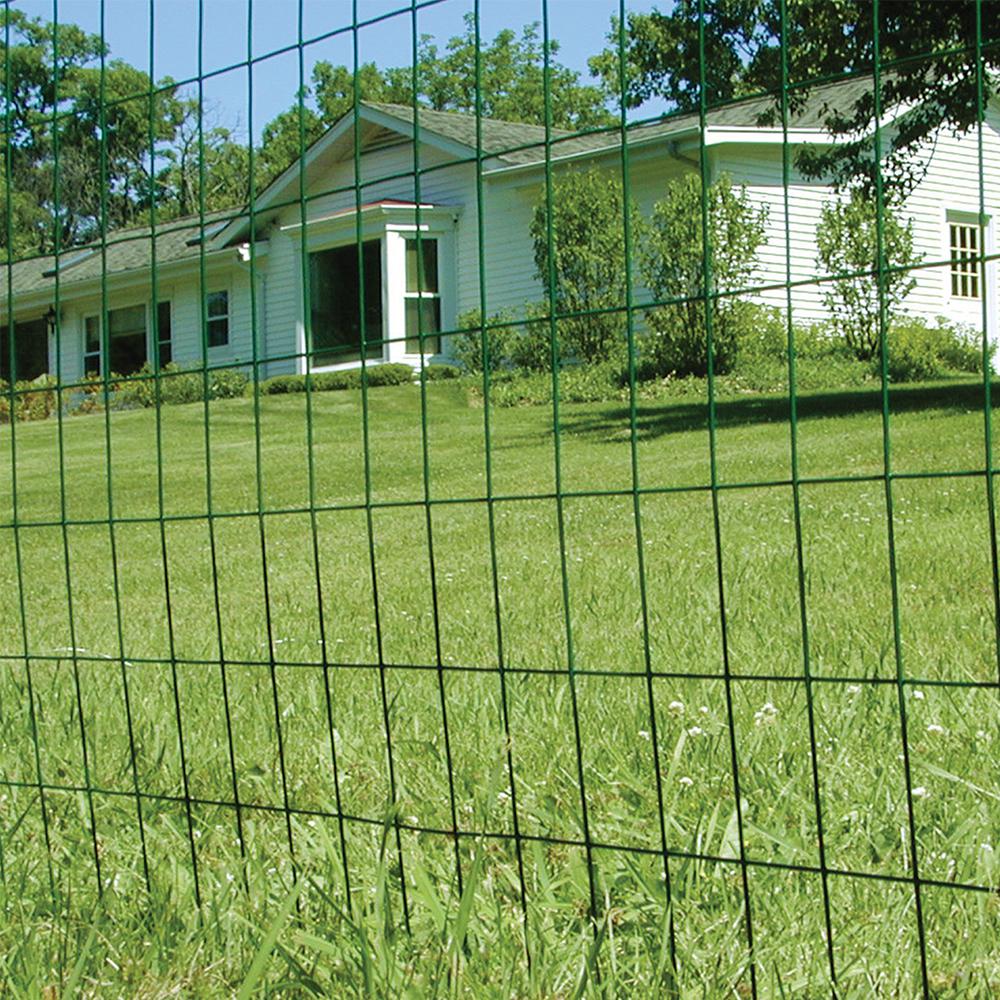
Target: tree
x: 102, y: 126
x: 583, y: 257
x: 674, y: 264
x: 848, y: 251
x: 928, y: 45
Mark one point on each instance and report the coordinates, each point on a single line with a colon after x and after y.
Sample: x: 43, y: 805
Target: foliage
x: 847, y: 240
x: 579, y: 251
x: 34, y: 400
x: 105, y: 141
x: 467, y: 344
x: 929, y: 44
x: 511, y: 81
x: 349, y: 378
x: 440, y: 372
x: 919, y: 351
x: 673, y: 262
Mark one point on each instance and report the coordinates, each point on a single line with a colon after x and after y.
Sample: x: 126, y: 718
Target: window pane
x: 163, y: 321
x: 93, y: 334
x: 335, y: 303
x: 31, y: 350
x: 218, y: 332
x: 217, y: 303
x: 127, y: 322
x: 91, y: 364
x: 426, y: 312
x: 428, y: 281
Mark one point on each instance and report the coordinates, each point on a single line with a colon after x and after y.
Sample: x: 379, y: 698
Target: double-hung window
x: 964, y: 246
x: 217, y: 317
x: 127, y: 348
x: 422, y: 296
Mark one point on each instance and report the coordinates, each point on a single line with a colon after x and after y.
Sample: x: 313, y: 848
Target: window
x: 217, y: 309
x: 126, y: 339
x: 963, y: 241
x: 31, y: 350
x: 163, y: 348
x: 422, y: 296
x: 92, y: 346
x: 126, y: 344
x: 335, y: 284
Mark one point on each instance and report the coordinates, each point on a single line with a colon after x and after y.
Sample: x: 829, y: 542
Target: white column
x: 393, y: 283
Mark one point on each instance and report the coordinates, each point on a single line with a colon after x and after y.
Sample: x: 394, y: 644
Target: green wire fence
x: 216, y: 687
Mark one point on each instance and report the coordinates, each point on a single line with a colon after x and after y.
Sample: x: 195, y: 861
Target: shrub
x: 179, y: 385
x: 389, y: 374
x: 350, y: 378
x: 673, y: 264
x: 581, y: 241
x: 530, y: 347
x: 920, y: 351
x: 467, y: 344
x: 280, y: 384
x: 441, y: 372
x: 35, y: 400
x: 848, y: 244
x: 228, y: 383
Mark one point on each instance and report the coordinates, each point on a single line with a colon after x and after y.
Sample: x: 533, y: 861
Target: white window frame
x: 967, y: 276
x: 423, y: 295
x: 215, y: 290
x: 101, y: 353
x: 391, y: 224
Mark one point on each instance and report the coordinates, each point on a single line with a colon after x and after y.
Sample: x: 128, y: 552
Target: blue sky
x: 580, y: 26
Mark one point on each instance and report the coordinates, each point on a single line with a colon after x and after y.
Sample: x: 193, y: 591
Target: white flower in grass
x: 703, y: 709
x: 503, y: 798
x: 676, y: 707
x: 853, y: 688
x: 643, y: 734
x: 981, y: 734
x: 695, y: 731
x: 935, y: 728
x: 767, y: 714
x: 918, y: 695
x: 920, y: 792
x: 685, y: 781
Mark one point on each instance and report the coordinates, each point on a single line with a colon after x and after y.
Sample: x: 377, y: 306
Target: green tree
x: 584, y: 259
x: 103, y: 126
x: 930, y: 44
x: 674, y: 264
x: 848, y: 251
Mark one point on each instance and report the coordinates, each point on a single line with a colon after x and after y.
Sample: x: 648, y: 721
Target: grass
x: 246, y: 601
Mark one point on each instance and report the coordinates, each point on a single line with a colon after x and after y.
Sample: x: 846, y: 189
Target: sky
x: 580, y: 26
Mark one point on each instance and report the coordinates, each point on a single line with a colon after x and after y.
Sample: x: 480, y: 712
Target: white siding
x: 951, y: 182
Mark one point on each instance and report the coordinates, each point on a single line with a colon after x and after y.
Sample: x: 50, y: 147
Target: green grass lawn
x: 260, y: 649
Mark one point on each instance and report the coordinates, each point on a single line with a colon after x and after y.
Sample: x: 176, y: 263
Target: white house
x: 232, y: 287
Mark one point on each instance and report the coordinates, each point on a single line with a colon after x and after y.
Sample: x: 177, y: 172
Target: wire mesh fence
x: 483, y: 536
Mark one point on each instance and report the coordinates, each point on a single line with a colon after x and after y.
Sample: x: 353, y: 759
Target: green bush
x: 441, y: 372
x: 350, y: 378
x: 389, y: 374
x: 579, y: 246
x: 278, y: 385
x: 467, y: 343
x: 228, y: 383
x: 848, y: 244
x: 919, y: 351
x: 672, y: 261
x: 37, y: 399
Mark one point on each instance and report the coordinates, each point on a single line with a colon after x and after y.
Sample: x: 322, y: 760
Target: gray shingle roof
x: 518, y: 143
x: 127, y: 250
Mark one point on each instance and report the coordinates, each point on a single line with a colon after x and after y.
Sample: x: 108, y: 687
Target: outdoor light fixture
x: 50, y: 319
